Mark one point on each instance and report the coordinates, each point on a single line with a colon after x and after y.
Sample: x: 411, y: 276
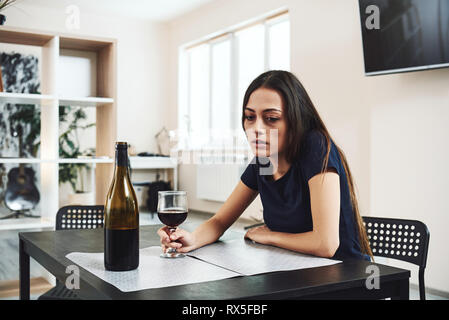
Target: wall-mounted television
x: 408, y: 35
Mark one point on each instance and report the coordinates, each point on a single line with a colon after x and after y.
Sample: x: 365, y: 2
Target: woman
x: 308, y: 197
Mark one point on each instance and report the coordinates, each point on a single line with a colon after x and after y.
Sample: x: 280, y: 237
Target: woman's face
x: 265, y: 123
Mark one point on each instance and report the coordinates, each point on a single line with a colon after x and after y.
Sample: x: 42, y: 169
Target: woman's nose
x: 259, y: 128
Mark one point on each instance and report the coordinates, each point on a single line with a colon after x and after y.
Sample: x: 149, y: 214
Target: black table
x: 345, y: 280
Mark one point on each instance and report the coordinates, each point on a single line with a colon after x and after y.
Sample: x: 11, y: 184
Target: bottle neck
x: 121, y: 158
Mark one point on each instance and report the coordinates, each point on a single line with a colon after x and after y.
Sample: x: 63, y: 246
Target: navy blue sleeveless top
x: 286, y: 201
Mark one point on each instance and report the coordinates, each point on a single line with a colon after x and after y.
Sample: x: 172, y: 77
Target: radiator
x: 216, y: 182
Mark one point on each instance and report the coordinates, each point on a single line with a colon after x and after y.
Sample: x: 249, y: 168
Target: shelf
x: 24, y: 37
x: 33, y: 98
x: 39, y: 223
x: 25, y: 98
x: 86, y: 160
x: 81, y: 160
x: 84, y: 102
x: 25, y: 223
x: 20, y: 160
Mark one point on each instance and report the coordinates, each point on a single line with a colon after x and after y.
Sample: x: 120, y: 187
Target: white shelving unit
x: 50, y: 100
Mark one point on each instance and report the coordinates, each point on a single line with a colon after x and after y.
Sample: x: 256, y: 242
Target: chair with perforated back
x: 72, y: 218
x: 79, y: 217
x: 405, y: 240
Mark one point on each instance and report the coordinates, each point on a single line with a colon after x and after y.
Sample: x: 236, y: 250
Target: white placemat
x: 153, y: 271
x: 248, y: 258
x: 220, y: 260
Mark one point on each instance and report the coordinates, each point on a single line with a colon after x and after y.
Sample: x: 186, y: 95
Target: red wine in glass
x: 172, y: 211
x: 172, y: 218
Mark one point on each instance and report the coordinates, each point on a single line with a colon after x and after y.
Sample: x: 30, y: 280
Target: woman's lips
x: 259, y: 143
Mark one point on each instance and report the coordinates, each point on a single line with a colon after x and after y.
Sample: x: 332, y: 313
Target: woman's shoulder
x: 314, y: 147
x: 313, y: 141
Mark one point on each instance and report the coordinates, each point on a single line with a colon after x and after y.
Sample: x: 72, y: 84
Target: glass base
x: 172, y: 255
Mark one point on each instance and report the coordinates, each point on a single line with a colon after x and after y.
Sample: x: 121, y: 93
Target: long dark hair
x: 302, y: 117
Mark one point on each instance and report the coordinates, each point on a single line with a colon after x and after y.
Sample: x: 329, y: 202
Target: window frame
x: 184, y: 76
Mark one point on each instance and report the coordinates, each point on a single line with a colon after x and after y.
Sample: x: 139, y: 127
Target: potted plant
x: 69, y: 147
x: 3, y: 5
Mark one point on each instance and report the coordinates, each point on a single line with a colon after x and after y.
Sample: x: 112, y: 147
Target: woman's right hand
x: 181, y: 240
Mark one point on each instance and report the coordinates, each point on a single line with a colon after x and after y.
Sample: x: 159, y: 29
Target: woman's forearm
x: 211, y: 230
x: 208, y: 232
x: 308, y: 242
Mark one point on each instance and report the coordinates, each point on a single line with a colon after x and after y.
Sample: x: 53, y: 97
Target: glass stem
x: 171, y: 231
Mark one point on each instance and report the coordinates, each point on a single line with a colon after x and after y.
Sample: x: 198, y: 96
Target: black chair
x: 71, y: 218
x: 405, y: 240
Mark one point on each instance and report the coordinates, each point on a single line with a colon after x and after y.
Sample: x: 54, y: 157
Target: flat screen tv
x: 404, y: 35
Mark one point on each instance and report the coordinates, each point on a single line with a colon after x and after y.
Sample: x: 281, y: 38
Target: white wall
x: 393, y: 128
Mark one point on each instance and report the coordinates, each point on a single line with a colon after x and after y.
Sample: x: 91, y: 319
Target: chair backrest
x: 80, y: 217
x: 406, y: 240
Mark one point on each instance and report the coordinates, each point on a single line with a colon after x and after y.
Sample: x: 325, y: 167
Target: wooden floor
x: 10, y: 289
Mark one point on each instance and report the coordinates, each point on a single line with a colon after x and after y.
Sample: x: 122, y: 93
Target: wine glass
x: 172, y: 211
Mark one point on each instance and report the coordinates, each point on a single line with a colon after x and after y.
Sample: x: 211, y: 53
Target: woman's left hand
x: 259, y: 234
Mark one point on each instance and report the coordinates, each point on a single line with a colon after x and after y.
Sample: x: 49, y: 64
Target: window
x: 215, y: 74
x: 199, y: 91
x: 221, y: 85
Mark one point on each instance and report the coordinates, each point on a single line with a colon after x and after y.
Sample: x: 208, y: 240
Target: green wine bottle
x: 121, y: 217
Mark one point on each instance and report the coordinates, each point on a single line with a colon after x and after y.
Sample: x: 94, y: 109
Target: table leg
x: 404, y: 290
x: 24, y: 270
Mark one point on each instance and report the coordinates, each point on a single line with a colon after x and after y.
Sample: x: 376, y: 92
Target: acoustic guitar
x: 21, y: 193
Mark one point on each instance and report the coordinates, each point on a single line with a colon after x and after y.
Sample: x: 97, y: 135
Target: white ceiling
x: 156, y: 10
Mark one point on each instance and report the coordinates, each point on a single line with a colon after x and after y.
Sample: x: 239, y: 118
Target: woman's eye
x: 271, y: 119
x: 249, y: 118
